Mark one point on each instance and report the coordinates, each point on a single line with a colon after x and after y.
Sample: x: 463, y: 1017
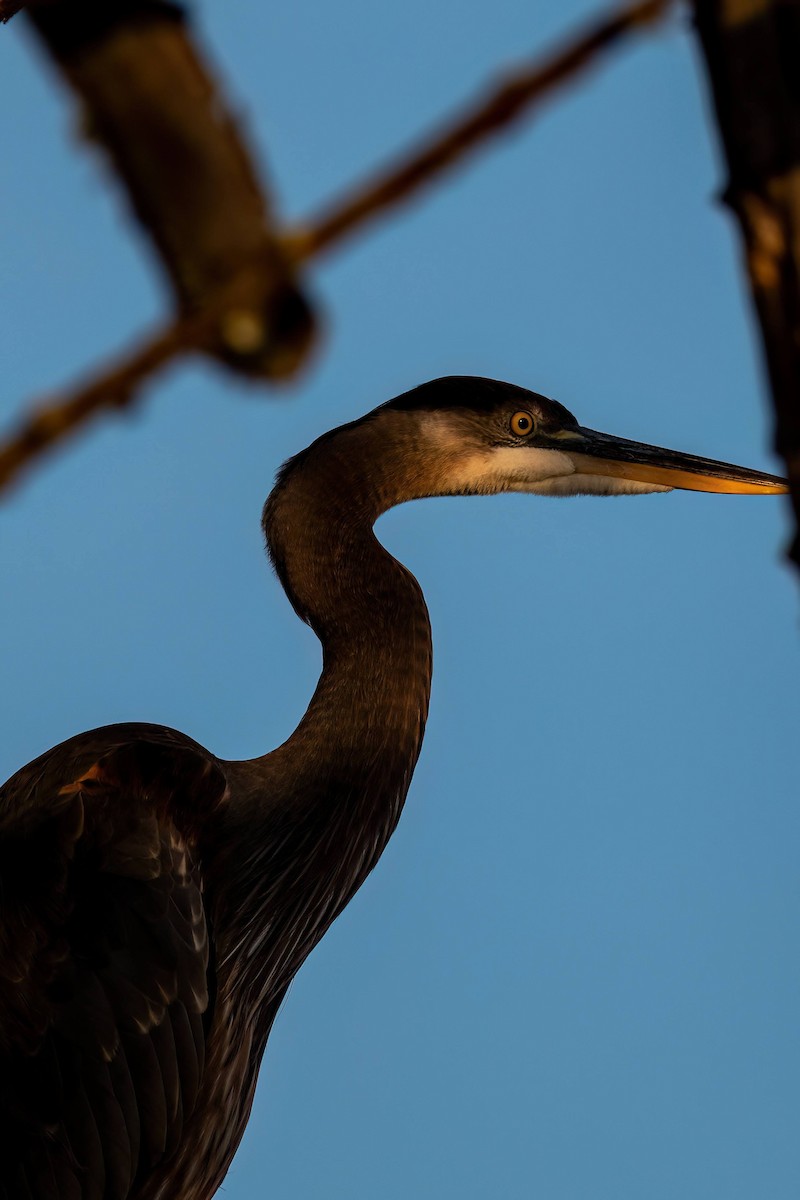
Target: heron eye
x: 522, y: 424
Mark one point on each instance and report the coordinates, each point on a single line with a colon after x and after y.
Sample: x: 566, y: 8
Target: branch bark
x: 121, y: 382
x: 752, y: 52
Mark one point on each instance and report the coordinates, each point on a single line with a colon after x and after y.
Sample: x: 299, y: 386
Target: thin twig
x: 117, y: 386
x: 444, y: 149
x: 120, y: 384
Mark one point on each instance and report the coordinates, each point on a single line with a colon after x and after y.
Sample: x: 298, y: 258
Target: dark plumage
x: 155, y: 901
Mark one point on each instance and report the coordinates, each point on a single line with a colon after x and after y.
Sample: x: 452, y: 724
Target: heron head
x: 484, y: 436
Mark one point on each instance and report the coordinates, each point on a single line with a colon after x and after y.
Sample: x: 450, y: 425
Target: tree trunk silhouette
x: 752, y: 54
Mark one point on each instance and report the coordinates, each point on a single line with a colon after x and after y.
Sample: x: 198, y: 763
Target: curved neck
x: 365, y: 722
x: 313, y: 817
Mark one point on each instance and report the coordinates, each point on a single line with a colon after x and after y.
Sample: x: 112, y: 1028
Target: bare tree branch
x: 150, y: 102
x: 752, y: 52
x: 116, y: 386
x: 8, y: 8
x: 468, y: 131
x: 120, y: 384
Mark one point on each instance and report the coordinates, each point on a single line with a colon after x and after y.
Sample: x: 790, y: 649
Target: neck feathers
x: 365, y: 607
x: 327, y: 801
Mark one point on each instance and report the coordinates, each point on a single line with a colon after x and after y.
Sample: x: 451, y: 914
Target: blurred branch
x: 9, y: 7
x: 115, y: 387
x: 118, y: 385
x: 149, y: 101
x: 221, y: 310
x: 442, y: 151
x: 752, y: 52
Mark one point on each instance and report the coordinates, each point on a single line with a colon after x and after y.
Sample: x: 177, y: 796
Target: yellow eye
x: 522, y: 424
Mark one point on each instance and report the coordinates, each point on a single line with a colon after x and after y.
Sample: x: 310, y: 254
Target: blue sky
x: 574, y: 973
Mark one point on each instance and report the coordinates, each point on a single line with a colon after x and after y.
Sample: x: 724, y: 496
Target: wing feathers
x: 104, y: 964
x: 86, y: 1148
x: 189, y: 1055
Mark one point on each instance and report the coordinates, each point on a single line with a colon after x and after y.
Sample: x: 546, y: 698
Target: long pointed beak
x: 600, y: 454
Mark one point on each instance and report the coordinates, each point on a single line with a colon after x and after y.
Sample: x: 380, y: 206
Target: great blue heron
x: 156, y: 901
